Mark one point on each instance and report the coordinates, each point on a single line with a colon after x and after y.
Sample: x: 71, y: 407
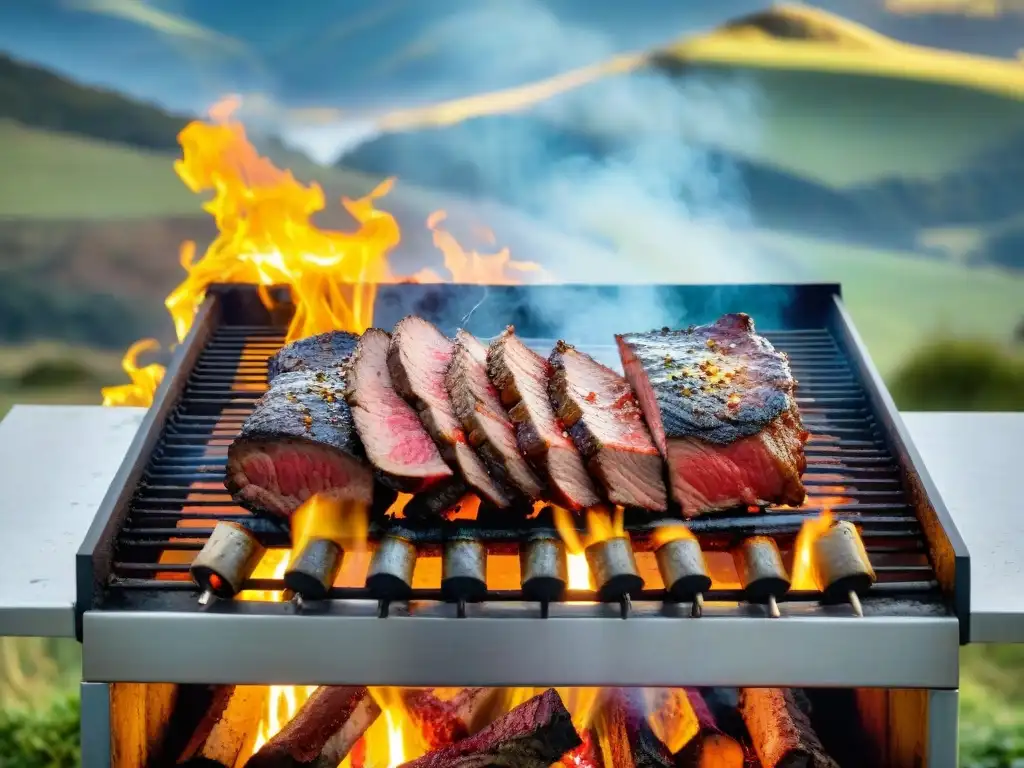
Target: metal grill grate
x: 851, y: 471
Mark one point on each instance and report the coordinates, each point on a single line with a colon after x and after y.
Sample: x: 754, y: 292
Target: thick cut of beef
x: 533, y: 735
x: 418, y: 359
x: 478, y: 407
x: 522, y: 376
x: 606, y: 424
x: 719, y: 401
x: 325, y: 352
x: 391, y: 432
x: 298, y: 441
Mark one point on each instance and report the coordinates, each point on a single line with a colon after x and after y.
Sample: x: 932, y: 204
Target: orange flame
x: 601, y: 526
x: 663, y: 534
x: 803, y: 557
x: 144, y: 380
x: 266, y: 237
x: 471, y: 266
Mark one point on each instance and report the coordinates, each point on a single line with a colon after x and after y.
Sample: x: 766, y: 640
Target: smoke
x: 622, y: 162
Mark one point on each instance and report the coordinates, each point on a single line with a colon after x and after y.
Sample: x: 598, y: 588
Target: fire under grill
x: 169, y: 498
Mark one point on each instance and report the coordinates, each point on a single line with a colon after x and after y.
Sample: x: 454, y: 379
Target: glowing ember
x: 144, y: 380
x: 803, y: 577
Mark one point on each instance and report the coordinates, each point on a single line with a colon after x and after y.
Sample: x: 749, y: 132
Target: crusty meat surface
x: 324, y: 352
x: 521, y: 377
x: 477, y: 405
x: 607, y: 426
x: 719, y: 401
x: 298, y: 441
x: 390, y: 430
x: 418, y: 359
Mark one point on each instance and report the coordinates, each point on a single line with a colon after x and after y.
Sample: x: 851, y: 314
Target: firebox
x: 489, y: 639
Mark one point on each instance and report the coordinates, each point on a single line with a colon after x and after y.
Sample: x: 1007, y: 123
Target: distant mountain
x: 516, y: 150
x: 340, y: 53
x: 40, y: 98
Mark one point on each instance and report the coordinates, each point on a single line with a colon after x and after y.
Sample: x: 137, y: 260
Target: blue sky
x: 381, y: 53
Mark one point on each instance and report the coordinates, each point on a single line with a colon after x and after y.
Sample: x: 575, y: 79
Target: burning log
x: 535, y: 734
x: 228, y: 729
x: 781, y: 731
x: 628, y: 741
x: 322, y: 732
x: 710, y: 747
x: 444, y: 722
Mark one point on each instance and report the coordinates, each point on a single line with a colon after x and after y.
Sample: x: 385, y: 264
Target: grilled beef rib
x: 605, y: 423
x: 719, y: 401
x: 298, y: 441
x: 477, y: 405
x: 418, y: 359
x: 391, y: 432
x: 521, y: 377
x: 323, y: 352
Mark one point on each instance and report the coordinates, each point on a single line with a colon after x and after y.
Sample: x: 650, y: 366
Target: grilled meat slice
x: 719, y: 401
x: 521, y: 377
x: 606, y: 424
x: 391, y: 432
x: 477, y: 405
x: 298, y: 441
x: 418, y: 359
x: 326, y: 351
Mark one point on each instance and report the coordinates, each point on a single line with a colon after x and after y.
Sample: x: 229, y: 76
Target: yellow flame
x: 803, y: 557
x: 284, y: 700
x: 266, y: 237
x: 663, y: 534
x: 144, y: 380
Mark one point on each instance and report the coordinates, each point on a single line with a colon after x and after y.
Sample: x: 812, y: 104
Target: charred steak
x: 390, y: 430
x: 418, y: 358
x: 324, y: 352
x: 298, y: 441
x: 521, y: 377
x: 719, y: 401
x: 478, y: 407
x: 606, y: 424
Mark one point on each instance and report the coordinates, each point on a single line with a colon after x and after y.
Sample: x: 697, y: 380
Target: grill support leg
x: 943, y: 721
x: 95, y: 726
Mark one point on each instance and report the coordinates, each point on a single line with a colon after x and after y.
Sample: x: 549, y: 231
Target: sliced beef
x: 521, y: 377
x: 418, y: 358
x: 298, y: 441
x: 477, y: 405
x: 719, y: 401
x: 606, y: 424
x: 324, y: 352
x: 391, y: 432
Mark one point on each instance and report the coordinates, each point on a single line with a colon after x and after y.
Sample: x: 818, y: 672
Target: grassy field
x: 900, y: 300
x: 57, y: 176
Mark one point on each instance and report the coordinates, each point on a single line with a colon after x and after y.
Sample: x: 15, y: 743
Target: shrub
x: 65, y: 372
x: 960, y: 375
x: 47, y: 738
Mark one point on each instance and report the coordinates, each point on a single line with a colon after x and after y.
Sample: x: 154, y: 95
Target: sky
x: 369, y: 54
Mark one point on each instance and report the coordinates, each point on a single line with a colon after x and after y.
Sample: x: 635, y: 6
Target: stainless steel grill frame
x: 135, y: 629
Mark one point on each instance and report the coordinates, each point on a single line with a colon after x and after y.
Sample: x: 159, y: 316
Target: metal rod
x: 773, y: 607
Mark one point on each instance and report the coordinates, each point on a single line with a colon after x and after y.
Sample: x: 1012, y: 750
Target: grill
x: 153, y: 651
x: 168, y: 496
